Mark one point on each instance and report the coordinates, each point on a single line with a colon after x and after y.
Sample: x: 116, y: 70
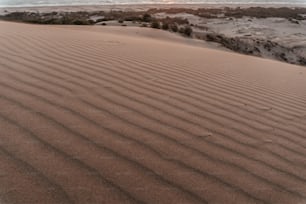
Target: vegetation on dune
x: 153, y: 18
x: 257, y: 12
x: 165, y: 26
x: 155, y: 24
x: 82, y: 17
x: 144, y: 19
x: 174, y: 28
x: 187, y: 31
x: 148, y: 19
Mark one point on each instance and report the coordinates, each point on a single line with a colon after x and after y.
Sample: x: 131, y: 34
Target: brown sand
x: 104, y: 117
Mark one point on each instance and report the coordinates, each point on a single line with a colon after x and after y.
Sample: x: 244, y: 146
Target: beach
x: 93, y: 114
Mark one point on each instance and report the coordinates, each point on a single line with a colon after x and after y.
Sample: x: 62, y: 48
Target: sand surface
x: 93, y: 115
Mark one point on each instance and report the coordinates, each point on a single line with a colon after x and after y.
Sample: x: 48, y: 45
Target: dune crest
x: 89, y: 116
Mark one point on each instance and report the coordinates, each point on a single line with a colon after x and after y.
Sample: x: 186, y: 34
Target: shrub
x: 174, y: 28
x: 181, y: 30
x: 146, y: 17
x: 50, y: 21
x: 165, y: 26
x: 80, y: 22
x: 155, y: 24
x: 187, y: 31
x: 100, y: 20
x: 132, y: 18
x: 177, y: 21
x: 120, y: 21
x: 91, y: 22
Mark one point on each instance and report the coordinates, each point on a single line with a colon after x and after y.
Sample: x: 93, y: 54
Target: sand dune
x: 89, y: 116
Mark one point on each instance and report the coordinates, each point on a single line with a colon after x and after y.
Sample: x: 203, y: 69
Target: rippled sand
x: 93, y: 115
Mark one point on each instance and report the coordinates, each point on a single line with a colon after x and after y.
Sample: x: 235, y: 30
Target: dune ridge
x: 104, y: 117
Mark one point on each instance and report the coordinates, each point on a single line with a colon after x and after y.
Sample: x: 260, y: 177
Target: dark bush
x: 176, y: 20
x: 165, y: 26
x: 34, y: 21
x: 146, y: 17
x: 99, y: 20
x: 155, y: 24
x: 181, y: 30
x: 133, y: 18
x: 187, y: 31
x: 174, y: 28
x: 91, y: 22
x: 52, y: 21
x: 80, y: 22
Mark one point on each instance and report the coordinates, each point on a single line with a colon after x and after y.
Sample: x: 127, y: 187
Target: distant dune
x: 113, y: 115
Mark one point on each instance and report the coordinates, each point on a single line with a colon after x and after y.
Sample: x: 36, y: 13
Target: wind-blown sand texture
x: 104, y: 117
